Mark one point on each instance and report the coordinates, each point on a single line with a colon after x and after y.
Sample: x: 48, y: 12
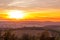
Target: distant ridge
x: 53, y: 27
x: 32, y: 28
x: 12, y: 24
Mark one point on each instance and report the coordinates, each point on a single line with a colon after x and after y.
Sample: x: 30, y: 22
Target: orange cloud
x: 36, y: 15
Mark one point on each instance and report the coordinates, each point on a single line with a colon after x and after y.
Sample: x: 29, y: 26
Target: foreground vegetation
x: 7, y: 35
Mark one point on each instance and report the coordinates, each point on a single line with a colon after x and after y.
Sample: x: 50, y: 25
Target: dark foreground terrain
x: 29, y: 33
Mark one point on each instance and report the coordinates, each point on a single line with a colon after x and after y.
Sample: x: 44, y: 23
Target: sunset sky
x: 32, y: 10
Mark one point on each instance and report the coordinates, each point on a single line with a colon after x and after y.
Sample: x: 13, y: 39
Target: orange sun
x: 16, y: 14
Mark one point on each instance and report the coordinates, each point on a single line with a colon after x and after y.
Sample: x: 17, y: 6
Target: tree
x: 25, y: 37
x: 1, y: 37
x: 45, y: 35
x: 7, y: 35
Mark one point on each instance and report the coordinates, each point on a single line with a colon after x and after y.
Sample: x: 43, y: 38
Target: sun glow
x: 16, y: 14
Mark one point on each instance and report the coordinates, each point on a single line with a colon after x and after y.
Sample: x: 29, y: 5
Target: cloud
x: 31, y: 3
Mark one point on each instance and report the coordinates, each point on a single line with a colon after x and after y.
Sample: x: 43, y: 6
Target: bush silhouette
x: 9, y: 36
x: 25, y: 37
x: 44, y: 36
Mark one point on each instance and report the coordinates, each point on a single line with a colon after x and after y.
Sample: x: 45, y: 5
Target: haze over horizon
x: 14, y: 24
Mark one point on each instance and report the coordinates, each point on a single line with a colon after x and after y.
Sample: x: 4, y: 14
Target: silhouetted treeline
x: 7, y: 35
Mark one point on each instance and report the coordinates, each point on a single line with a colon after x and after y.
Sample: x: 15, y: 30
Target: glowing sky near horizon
x: 37, y: 10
